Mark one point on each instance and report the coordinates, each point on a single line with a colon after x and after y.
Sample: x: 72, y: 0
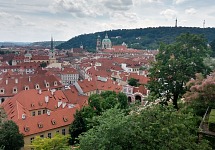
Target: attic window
x: 15, y: 90
x: 32, y: 105
x: 26, y: 129
x: 37, y: 86
x: 1, y: 91
x: 55, y: 83
x: 47, y: 84
x: 53, y: 121
x: 65, y: 119
x: 26, y: 87
x: 40, y: 125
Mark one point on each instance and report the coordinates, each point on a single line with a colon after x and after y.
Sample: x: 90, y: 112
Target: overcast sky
x: 37, y: 20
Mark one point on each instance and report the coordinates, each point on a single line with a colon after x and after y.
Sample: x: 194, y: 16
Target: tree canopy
x: 10, y: 138
x: 176, y: 64
x: 98, y: 103
x: 152, y: 128
x: 56, y: 143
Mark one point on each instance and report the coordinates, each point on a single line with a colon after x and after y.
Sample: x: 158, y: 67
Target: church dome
x: 106, y: 42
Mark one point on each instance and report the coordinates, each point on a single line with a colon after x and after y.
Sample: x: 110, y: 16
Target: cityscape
x: 108, y: 78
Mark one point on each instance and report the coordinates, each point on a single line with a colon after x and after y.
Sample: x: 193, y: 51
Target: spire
x: 106, y: 36
x: 176, y: 22
x: 52, y: 45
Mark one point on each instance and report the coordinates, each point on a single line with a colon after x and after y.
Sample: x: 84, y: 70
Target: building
x: 69, y: 76
x: 43, y: 113
x: 12, y: 84
x: 52, y: 58
x: 106, y: 43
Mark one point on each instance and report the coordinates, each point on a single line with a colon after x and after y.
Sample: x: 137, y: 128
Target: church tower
x: 98, y: 43
x: 106, y: 43
x: 52, y: 58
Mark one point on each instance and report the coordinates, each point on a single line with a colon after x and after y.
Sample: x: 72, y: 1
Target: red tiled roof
x: 22, y: 103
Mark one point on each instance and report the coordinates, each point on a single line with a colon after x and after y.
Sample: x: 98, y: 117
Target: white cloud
x: 179, y: 1
x: 169, y: 13
x: 190, y: 11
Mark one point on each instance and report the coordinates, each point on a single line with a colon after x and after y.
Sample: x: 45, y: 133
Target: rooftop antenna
x: 204, y: 24
x: 176, y: 22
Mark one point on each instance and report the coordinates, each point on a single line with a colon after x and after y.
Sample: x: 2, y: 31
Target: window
x: 39, y: 112
x: 57, y: 131
x: 42, y: 136
x: 33, y: 113
x: 14, y: 90
x: 32, y: 139
x: 49, y: 135
x: 63, y: 131
x: 2, y: 91
x: 44, y: 111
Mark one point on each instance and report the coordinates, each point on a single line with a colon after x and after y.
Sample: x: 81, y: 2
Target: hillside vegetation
x: 143, y: 38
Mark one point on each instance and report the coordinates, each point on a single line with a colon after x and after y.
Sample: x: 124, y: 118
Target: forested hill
x: 143, y: 38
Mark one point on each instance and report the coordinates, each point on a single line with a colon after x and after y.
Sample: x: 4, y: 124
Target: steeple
x: 52, y: 45
x: 176, y: 22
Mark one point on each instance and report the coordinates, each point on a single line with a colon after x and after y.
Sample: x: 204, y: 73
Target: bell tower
x: 52, y: 58
x: 98, y: 43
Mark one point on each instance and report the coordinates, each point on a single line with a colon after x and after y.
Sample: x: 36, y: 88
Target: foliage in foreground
x: 152, y: 128
x: 176, y: 64
x: 201, y: 93
x: 56, y: 143
x: 10, y: 138
x: 97, y: 104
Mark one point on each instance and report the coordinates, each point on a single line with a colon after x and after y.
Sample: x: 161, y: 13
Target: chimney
x: 6, y: 81
x: 63, y: 105
x: 59, y: 103
x: 48, y: 112
x: 16, y: 80
x: 40, y: 91
x: 23, y: 116
x: 46, y: 99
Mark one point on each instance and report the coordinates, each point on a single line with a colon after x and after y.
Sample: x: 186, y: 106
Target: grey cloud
x: 118, y: 4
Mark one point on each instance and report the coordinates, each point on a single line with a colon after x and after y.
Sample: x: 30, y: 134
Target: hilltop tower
x: 98, y: 43
x: 52, y: 58
x: 176, y: 22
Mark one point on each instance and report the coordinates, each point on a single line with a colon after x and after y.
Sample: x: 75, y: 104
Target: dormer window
x: 40, y: 125
x: 65, y: 119
x: 55, y: 83
x: 15, y: 90
x: 26, y: 87
x: 37, y: 86
x: 26, y: 129
x: 2, y: 91
x: 53, y: 121
x: 47, y: 84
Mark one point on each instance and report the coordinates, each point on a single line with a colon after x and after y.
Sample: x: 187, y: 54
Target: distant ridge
x: 143, y: 38
x: 45, y: 44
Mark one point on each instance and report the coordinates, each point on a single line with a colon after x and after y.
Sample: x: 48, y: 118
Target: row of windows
x: 63, y: 132
x: 39, y: 112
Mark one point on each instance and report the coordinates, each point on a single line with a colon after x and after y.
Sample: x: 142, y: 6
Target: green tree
x: 10, y: 138
x: 176, y: 64
x: 97, y: 104
x: 152, y: 128
x: 43, y: 64
x: 133, y: 82
x: 56, y: 143
x: 122, y: 100
x: 212, y: 44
